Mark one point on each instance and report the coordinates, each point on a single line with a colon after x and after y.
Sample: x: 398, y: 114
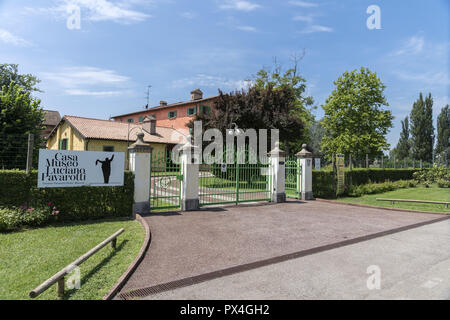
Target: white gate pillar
x: 305, y: 158
x: 190, y: 162
x: 277, y: 159
x: 140, y: 162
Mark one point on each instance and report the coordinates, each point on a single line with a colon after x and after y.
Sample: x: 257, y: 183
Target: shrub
x: 439, y: 175
x: 324, y: 184
x: 374, y: 188
x: 78, y: 203
x: 14, y: 218
x: 442, y: 183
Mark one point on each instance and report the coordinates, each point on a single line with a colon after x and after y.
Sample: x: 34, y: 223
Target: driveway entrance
x: 201, y: 243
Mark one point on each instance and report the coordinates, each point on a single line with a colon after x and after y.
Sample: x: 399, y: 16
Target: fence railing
x: 16, y: 151
x: 59, y: 276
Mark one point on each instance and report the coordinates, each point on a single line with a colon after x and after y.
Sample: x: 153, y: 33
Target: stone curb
x: 127, y: 274
x: 376, y: 207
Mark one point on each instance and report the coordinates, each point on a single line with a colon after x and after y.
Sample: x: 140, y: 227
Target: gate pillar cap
x: 277, y: 151
x: 304, y: 153
x: 140, y: 146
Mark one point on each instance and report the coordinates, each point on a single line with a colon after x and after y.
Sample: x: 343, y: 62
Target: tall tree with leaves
x: 403, y: 145
x: 301, y: 106
x: 422, y: 129
x: 443, y: 131
x: 255, y: 108
x: 354, y: 120
x: 10, y: 73
x: 20, y: 114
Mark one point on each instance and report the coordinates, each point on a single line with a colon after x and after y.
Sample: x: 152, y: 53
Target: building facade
x: 78, y: 133
x: 176, y: 115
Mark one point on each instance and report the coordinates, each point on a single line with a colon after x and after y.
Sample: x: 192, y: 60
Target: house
x: 78, y: 133
x: 51, y: 120
x: 175, y: 115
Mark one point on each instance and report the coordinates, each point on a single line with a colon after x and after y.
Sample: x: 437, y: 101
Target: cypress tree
x: 403, y: 145
x: 443, y: 130
x: 422, y: 130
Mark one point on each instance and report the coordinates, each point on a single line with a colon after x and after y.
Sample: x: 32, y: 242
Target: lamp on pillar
x: 305, y: 158
x: 140, y: 162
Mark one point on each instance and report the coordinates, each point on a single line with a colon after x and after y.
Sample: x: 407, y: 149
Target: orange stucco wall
x: 162, y: 115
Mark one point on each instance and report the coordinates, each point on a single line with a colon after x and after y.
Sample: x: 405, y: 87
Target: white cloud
x: 239, y: 5
x: 188, y: 15
x: 316, y: 28
x: 82, y: 92
x: 308, y: 19
x: 413, y: 45
x: 88, y: 81
x: 9, y: 38
x: 303, y: 4
x: 204, y: 80
x: 247, y: 28
x: 100, y: 10
x: 429, y: 78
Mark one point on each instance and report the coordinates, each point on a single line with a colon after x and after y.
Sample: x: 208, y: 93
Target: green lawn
x: 418, y: 193
x: 28, y: 258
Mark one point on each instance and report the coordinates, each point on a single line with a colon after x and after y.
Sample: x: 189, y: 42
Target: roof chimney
x: 149, y: 124
x: 163, y: 103
x: 196, y: 94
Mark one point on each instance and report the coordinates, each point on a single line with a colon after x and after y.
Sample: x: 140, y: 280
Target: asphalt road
x: 413, y: 264
x: 198, y: 243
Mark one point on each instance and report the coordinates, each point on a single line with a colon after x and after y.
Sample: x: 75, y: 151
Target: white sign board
x: 62, y: 168
x: 223, y: 167
x: 317, y: 163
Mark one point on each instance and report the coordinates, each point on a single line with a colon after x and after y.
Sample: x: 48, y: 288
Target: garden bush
x: 439, y: 175
x: 374, y: 188
x: 12, y: 218
x: 324, y: 183
x: 79, y: 203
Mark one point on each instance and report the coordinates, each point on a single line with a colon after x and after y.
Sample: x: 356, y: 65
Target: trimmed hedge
x: 79, y: 203
x: 324, y: 184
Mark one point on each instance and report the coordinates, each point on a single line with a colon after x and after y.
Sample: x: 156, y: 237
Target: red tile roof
x: 90, y: 128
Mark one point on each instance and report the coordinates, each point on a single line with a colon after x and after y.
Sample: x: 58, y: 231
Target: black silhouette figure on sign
x: 106, y: 167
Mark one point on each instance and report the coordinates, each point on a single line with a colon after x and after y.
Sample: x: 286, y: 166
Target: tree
x: 422, y: 130
x: 257, y: 108
x: 316, y: 132
x: 20, y: 114
x: 10, y: 73
x: 354, y: 120
x: 443, y: 132
x: 300, y: 107
x: 403, y: 146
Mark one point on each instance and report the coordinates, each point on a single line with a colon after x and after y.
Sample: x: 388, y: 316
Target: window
x: 63, y: 144
x: 141, y: 118
x: 172, y: 114
x: 130, y: 120
x: 191, y: 111
x: 108, y: 148
x: 205, y: 109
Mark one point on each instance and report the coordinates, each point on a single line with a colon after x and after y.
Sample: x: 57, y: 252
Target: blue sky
x: 103, y: 68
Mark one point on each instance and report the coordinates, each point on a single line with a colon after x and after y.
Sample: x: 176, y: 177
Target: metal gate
x: 293, y: 174
x: 165, y: 183
x: 234, y: 183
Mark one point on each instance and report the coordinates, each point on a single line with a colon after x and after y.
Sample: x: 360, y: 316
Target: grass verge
x: 28, y: 258
x: 418, y: 193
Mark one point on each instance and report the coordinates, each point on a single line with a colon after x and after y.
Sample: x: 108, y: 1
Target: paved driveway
x: 191, y: 244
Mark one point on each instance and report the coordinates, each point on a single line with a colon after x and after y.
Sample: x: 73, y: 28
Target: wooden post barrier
x: 393, y: 201
x: 59, y: 276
